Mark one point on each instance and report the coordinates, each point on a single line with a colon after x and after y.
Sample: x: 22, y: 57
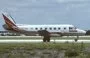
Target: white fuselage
x: 64, y: 29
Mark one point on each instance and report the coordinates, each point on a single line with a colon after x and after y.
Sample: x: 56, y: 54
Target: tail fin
x: 9, y: 20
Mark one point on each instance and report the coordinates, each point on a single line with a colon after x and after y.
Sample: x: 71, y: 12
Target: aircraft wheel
x: 48, y: 40
x: 44, y: 40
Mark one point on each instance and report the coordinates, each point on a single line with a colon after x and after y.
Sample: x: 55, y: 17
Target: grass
x: 77, y: 47
x: 68, y: 47
x: 30, y: 46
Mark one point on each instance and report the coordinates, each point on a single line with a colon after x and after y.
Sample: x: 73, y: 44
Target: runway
x: 39, y: 36
x: 9, y: 39
x: 40, y: 41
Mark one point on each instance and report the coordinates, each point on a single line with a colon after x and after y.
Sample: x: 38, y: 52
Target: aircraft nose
x: 82, y: 31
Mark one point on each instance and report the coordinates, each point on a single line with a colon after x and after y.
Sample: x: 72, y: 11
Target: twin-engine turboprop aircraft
x: 54, y: 30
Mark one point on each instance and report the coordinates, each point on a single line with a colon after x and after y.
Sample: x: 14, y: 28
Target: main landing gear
x: 45, y: 34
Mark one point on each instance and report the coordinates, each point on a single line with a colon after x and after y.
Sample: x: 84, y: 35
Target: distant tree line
x: 88, y: 32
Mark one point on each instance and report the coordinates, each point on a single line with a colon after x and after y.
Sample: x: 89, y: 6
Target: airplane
x: 54, y: 30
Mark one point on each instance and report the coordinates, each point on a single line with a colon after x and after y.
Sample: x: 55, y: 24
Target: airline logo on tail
x: 9, y: 22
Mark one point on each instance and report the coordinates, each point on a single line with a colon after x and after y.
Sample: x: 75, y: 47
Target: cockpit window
x: 70, y: 27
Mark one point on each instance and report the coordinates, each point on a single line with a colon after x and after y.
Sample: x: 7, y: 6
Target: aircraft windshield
x: 72, y: 28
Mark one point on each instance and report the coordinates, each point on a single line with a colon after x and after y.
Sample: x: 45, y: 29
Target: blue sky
x: 76, y: 12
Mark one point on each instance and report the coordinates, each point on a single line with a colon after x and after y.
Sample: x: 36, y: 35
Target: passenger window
x: 64, y: 28
x: 36, y: 28
x: 59, y: 28
x: 50, y: 28
x: 54, y: 28
x: 45, y: 28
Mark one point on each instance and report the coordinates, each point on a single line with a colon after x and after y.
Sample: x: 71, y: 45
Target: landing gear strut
x: 46, y: 39
x: 45, y: 34
x: 77, y: 38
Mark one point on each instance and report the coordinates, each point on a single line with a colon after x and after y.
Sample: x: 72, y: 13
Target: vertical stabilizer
x: 9, y: 20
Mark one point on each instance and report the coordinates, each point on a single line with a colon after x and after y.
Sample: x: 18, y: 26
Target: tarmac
x: 40, y: 40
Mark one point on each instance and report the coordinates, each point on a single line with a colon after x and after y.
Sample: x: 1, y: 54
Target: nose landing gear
x: 76, y: 39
